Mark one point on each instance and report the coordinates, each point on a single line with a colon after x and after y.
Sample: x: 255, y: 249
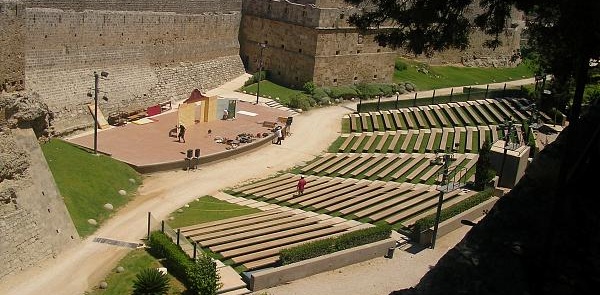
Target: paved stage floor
x: 150, y: 143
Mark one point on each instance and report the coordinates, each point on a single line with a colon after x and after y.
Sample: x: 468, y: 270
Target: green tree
x: 151, y: 281
x: 203, y: 277
x: 483, y: 171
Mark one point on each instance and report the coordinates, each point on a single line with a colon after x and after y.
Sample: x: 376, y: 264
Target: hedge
x: 199, y: 277
x: 447, y: 213
x: 334, y: 244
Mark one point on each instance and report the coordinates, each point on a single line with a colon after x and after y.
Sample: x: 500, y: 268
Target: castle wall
x: 179, y: 6
x: 151, y: 57
x: 34, y: 222
x: 324, y: 48
x: 347, y: 57
x: 12, y: 43
x: 289, y: 52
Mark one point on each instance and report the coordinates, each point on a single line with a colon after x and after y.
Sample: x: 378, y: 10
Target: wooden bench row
x: 470, y: 113
x: 422, y: 140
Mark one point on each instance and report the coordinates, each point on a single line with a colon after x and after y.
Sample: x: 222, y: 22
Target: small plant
x: 309, y: 87
x: 151, y: 281
x: 400, y: 65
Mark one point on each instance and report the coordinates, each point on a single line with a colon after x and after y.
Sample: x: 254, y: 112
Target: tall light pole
x: 260, y: 66
x: 445, y: 187
x: 96, y: 79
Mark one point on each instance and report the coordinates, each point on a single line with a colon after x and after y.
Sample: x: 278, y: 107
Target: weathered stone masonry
x: 311, y: 41
x: 154, y: 51
x: 12, y: 44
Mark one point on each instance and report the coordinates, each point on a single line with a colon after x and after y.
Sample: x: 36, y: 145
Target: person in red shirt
x: 300, y: 185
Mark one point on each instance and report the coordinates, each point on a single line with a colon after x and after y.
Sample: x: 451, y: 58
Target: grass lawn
x: 450, y: 76
x: 207, y: 209
x: 87, y: 182
x: 133, y: 263
x: 268, y: 88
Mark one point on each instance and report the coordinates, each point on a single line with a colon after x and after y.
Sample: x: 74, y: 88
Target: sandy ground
x: 83, y: 266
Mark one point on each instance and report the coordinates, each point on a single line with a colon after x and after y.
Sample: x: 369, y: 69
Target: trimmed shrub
x: 200, y: 277
x: 343, y: 92
x: 388, y: 89
x: 301, y: 101
x: 254, y: 78
x: 447, y: 213
x: 334, y: 244
x: 400, y: 66
x: 368, y: 90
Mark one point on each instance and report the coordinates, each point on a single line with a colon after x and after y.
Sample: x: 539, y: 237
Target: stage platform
x: 149, y: 147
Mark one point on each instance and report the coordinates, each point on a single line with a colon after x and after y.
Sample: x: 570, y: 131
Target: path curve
x: 76, y: 269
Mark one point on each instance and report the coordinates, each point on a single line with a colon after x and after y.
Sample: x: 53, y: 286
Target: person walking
x: 278, y: 134
x: 300, y: 186
x: 181, y: 135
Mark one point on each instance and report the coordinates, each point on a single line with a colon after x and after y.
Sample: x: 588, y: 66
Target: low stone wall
x: 276, y: 276
x: 454, y: 223
x: 216, y: 157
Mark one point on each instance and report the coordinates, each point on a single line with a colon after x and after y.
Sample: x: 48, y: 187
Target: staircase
x: 274, y: 104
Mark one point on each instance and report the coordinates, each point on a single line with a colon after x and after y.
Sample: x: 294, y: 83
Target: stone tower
x: 310, y: 40
x: 12, y: 45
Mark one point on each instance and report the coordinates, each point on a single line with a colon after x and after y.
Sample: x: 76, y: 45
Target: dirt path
x: 76, y: 269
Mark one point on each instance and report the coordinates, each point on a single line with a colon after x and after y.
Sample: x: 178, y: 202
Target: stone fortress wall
x: 34, y: 221
x: 155, y: 52
x: 306, y: 42
x: 12, y: 44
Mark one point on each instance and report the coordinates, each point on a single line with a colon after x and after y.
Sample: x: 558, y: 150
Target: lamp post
x: 260, y: 66
x: 97, y: 76
x: 444, y: 187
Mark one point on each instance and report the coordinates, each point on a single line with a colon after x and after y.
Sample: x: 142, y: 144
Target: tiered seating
x: 255, y: 240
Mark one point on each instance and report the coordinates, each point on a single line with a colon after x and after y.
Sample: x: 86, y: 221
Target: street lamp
x: 104, y: 75
x: 445, y: 187
x: 260, y: 66
x: 508, y: 145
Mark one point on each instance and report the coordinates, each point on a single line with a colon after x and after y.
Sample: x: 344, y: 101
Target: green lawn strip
x: 450, y: 141
x: 475, y: 143
x: 335, y: 145
x: 411, y: 144
x: 399, y: 144
x: 348, y: 148
x: 370, y: 127
x: 381, y: 123
x: 134, y: 262
x: 463, y: 142
x: 449, y: 76
x: 268, y: 88
x: 364, y: 220
x: 413, y: 168
x: 87, y: 182
x: 437, y: 141
x: 387, y: 143
x: 206, y: 209
x: 424, y: 142
x: 375, y: 143
x: 346, y: 125
x: 362, y: 145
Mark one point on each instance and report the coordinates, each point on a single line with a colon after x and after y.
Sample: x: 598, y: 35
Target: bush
x: 254, y: 78
x: 309, y: 87
x: 368, y: 90
x: 331, y: 245
x: 203, y: 277
x: 447, y: 213
x: 151, y: 281
x: 343, y: 92
x: 200, y: 277
x: 400, y: 65
x: 301, y: 101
